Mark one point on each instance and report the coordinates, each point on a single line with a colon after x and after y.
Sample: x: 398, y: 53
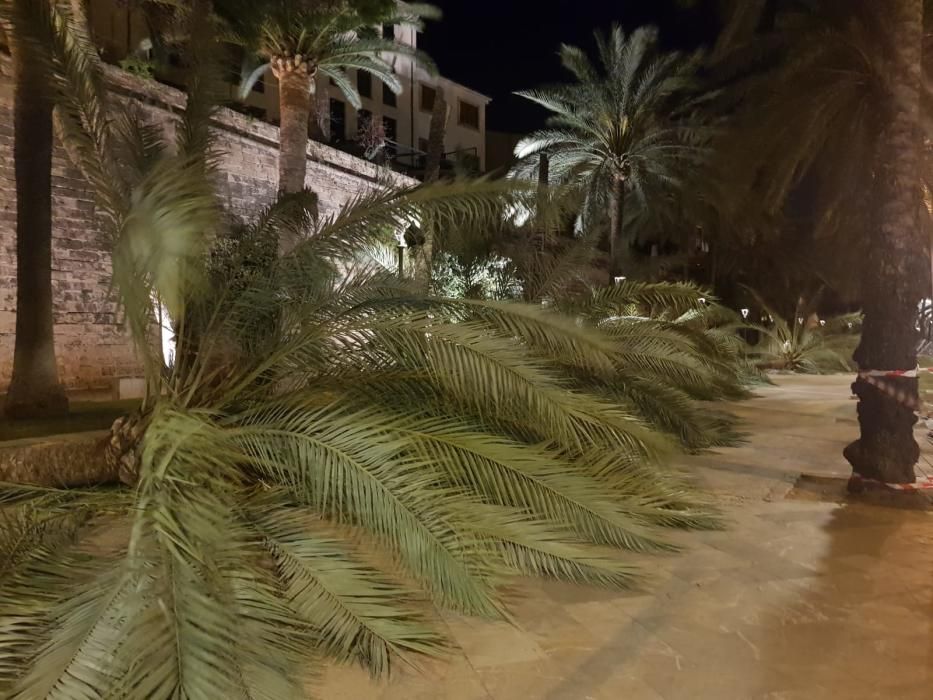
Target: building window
x: 469, y: 115
x: 391, y: 128
x: 338, y: 121
x: 364, y: 83
x: 389, y: 98
x: 427, y: 98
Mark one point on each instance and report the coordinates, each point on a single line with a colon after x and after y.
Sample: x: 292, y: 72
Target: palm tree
x: 437, y: 132
x: 628, y: 128
x: 333, y: 454
x: 677, y: 347
x: 35, y: 389
x: 794, y: 345
x: 886, y: 449
x: 840, y: 112
x: 673, y: 344
x: 297, y: 39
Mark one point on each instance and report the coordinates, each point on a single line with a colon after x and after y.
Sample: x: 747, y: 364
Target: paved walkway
x: 797, y: 600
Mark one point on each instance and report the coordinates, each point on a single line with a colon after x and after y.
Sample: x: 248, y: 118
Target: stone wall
x: 91, y: 346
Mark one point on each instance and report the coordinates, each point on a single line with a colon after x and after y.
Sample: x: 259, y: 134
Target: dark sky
x: 498, y: 46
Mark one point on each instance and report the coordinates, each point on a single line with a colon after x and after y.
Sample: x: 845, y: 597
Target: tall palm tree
x: 899, y: 271
x: 839, y: 111
x: 35, y: 389
x: 335, y: 453
x: 628, y: 128
x: 298, y: 39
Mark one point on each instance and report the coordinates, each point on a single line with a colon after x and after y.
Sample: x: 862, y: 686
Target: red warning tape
x: 896, y: 393
x: 892, y: 374
x: 876, y: 379
x: 921, y: 484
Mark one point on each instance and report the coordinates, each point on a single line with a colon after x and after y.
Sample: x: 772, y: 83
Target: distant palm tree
x: 298, y: 39
x: 628, y: 128
x: 35, y: 389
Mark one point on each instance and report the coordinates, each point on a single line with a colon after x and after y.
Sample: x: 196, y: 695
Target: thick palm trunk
x: 616, y: 217
x: 294, y: 113
x: 886, y: 450
x: 58, y: 463
x: 35, y: 390
x: 77, y: 460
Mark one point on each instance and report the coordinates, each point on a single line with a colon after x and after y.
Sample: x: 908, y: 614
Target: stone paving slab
x: 797, y: 600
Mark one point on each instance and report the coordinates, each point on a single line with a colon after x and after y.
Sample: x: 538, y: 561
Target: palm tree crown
x: 331, y: 37
x: 296, y: 40
x: 629, y: 125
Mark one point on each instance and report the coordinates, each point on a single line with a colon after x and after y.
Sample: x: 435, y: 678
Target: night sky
x: 498, y: 46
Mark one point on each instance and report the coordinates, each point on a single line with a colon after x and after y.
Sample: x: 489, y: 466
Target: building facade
x: 402, y: 121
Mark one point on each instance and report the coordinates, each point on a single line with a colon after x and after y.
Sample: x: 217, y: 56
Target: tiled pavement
x: 797, y: 600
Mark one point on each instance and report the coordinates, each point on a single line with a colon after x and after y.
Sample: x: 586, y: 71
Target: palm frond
x: 359, y: 613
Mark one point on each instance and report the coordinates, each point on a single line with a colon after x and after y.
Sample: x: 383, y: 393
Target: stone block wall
x: 91, y: 346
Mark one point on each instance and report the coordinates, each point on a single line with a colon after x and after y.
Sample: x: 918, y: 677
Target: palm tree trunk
x: 886, y: 450
x: 35, y: 390
x: 437, y: 133
x: 616, y: 217
x: 59, y: 463
x: 544, y: 180
x: 294, y: 112
x: 78, y: 460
